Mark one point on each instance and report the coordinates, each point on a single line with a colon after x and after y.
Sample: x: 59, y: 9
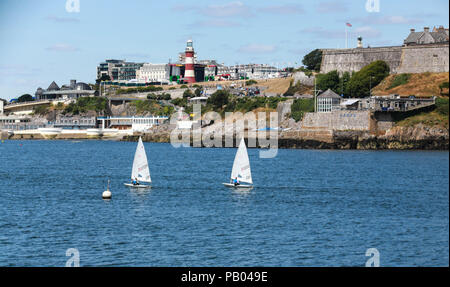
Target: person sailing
x: 236, y: 181
x: 135, y: 181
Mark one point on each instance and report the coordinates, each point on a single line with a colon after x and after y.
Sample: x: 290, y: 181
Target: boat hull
x: 237, y: 186
x: 137, y: 186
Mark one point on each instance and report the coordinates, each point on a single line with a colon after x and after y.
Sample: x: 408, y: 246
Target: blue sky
x: 40, y: 41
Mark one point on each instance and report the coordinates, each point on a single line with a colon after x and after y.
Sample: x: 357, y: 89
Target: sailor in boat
x: 236, y: 181
x: 135, y: 181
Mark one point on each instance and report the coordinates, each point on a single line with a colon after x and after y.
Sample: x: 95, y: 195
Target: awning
x: 349, y: 102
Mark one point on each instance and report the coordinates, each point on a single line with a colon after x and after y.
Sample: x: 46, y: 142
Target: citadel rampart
x: 401, y: 59
x: 353, y: 60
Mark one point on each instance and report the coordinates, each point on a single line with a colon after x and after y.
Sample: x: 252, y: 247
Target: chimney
x: 426, y: 29
x: 413, y: 30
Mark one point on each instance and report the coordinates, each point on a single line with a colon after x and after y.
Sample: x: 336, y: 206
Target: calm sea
x: 308, y: 207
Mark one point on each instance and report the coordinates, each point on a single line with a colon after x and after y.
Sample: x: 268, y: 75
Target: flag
x: 348, y: 24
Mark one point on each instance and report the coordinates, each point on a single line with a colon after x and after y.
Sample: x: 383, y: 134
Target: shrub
x: 219, y: 99
x: 399, y: 80
x: 82, y: 105
x: 41, y: 110
x: 188, y: 94
x: 300, y: 107
x: 152, y: 107
x: 163, y: 96
x: 442, y: 106
x: 369, y: 76
x: 250, y: 82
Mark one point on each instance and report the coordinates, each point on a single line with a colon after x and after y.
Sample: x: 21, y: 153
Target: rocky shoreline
x: 399, y: 139
x: 418, y: 137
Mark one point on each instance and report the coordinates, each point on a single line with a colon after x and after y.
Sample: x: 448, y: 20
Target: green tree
x: 198, y: 91
x: 25, y: 98
x: 313, y: 60
x: 327, y: 81
x: 368, y: 77
x: 344, y: 80
x: 218, y: 99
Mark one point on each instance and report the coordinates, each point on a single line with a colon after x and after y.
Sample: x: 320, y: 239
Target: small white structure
x: 107, y: 193
x: 136, y: 124
x: 199, y: 100
x: 328, y: 101
x: 1, y: 107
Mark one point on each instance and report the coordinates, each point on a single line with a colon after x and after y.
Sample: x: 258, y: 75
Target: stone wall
x: 425, y: 58
x: 408, y: 59
x: 303, y: 79
x: 337, y: 120
x: 353, y: 60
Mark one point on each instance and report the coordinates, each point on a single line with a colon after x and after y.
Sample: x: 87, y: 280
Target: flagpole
x: 346, y: 37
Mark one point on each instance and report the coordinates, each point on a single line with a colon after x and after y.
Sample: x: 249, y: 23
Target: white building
x: 153, y: 73
x: 252, y: 71
x: 328, y: 101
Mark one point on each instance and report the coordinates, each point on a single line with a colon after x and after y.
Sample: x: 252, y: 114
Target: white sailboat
x: 241, y: 169
x: 140, y: 171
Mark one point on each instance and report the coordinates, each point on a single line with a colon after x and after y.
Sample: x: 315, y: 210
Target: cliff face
x: 415, y: 137
x: 400, y: 138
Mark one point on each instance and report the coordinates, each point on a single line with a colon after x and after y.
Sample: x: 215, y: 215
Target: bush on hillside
x: 218, y: 99
x: 400, y: 79
x: 300, y: 107
x: 369, y: 76
x: 82, y: 105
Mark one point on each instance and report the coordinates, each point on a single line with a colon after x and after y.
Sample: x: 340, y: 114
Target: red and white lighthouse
x: 189, y: 75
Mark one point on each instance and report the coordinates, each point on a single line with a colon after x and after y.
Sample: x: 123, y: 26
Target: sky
x: 52, y: 40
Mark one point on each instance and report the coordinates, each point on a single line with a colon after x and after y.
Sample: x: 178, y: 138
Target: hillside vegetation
x: 419, y: 85
x: 437, y: 117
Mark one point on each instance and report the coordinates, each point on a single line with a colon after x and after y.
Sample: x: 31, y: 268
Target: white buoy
x: 107, y: 194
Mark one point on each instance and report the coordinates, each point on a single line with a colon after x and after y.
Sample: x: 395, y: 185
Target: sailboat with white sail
x: 241, y: 175
x: 140, y: 171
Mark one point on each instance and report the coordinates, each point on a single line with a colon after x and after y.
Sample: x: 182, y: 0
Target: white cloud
x: 286, y: 9
x: 332, y: 7
x: 216, y: 23
x: 230, y: 9
x: 320, y: 32
x: 387, y: 20
x: 61, y: 47
x: 257, y: 48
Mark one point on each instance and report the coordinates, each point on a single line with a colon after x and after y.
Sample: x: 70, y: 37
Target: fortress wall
x: 353, y: 60
x: 409, y: 59
x: 424, y: 58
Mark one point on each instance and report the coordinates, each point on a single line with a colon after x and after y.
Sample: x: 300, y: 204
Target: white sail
x: 241, y: 165
x: 140, y: 164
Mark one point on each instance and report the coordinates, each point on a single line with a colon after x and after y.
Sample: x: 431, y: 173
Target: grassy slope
x: 421, y: 85
x: 437, y: 117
